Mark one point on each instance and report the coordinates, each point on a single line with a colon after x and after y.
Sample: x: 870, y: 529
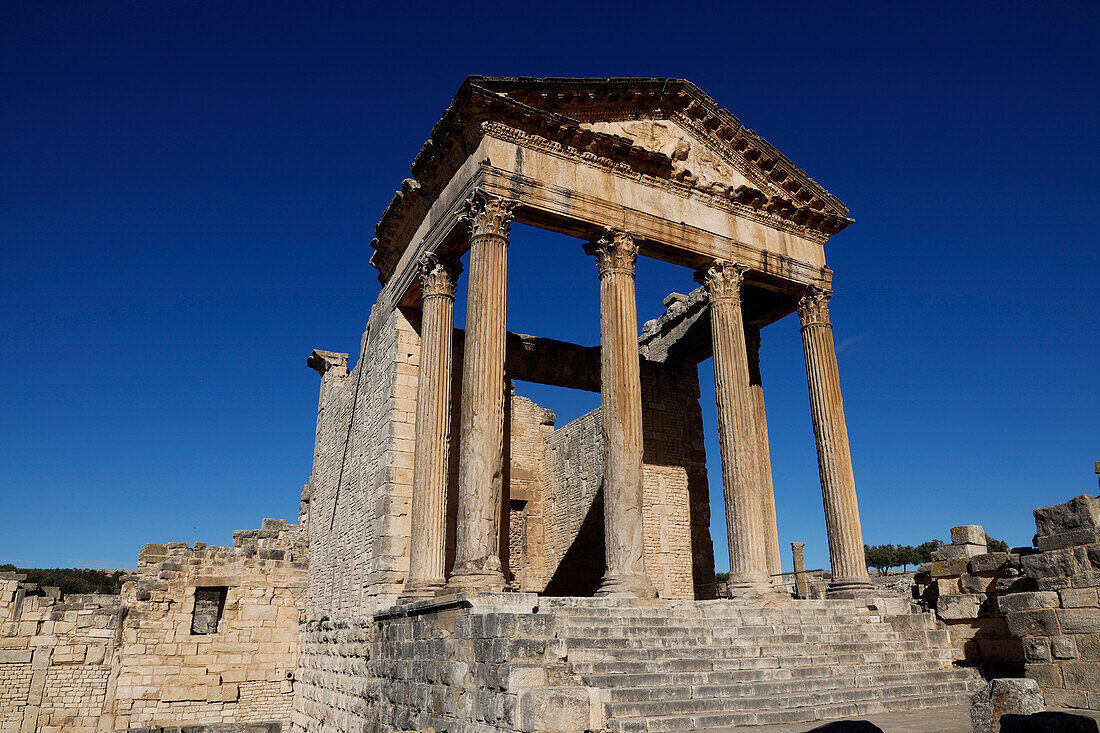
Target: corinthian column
x: 621, y: 415
x: 433, y: 420
x: 834, y: 458
x: 763, y: 457
x: 480, y: 458
x: 737, y: 433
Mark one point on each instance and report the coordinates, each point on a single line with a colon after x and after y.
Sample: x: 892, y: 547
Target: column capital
x: 615, y: 252
x: 813, y: 307
x: 722, y: 279
x: 489, y: 215
x: 438, y: 275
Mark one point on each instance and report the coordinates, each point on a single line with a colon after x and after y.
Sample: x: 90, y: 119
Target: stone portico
x: 438, y: 495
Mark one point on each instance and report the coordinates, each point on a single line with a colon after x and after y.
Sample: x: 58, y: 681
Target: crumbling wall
x: 963, y: 584
x: 1033, y: 611
x: 145, y: 657
x: 1059, y: 621
x: 55, y: 657
x: 232, y: 660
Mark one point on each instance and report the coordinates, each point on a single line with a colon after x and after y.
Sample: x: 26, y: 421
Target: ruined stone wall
x: 1059, y: 620
x: 55, y: 657
x: 148, y: 657
x: 1033, y: 611
x: 211, y: 633
x: 360, y: 489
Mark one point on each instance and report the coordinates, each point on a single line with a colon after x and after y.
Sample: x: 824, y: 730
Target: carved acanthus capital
x: 615, y: 252
x: 722, y: 279
x: 438, y: 275
x: 489, y: 215
x: 813, y: 307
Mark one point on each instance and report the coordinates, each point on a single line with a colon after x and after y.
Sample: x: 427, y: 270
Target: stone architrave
x: 737, y: 432
x: 621, y: 396
x: 433, y: 420
x: 834, y: 458
x: 481, y: 454
x: 767, y: 492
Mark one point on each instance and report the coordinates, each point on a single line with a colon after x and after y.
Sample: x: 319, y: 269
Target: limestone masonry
x: 473, y: 565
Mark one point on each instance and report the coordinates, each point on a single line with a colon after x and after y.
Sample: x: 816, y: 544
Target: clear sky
x: 188, y: 191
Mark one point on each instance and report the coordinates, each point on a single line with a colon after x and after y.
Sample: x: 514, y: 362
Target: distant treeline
x: 884, y: 557
x: 72, y: 580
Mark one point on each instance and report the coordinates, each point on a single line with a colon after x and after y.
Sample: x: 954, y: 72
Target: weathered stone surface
x: 1081, y: 675
x: 1028, y: 601
x: 1036, y: 648
x: 1080, y: 620
x: 959, y: 607
x: 1033, y: 623
x: 1001, y: 697
x: 1047, y: 722
x: 988, y: 562
x: 1049, y: 564
x: 968, y: 534
x: 1082, y: 512
x: 566, y: 709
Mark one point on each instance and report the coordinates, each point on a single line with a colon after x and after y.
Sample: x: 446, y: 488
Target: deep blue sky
x: 188, y: 190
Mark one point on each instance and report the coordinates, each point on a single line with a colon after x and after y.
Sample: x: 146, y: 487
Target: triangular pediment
x: 656, y: 128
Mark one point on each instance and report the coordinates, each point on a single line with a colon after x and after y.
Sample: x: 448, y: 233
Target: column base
x: 626, y: 586
x: 754, y: 586
x: 491, y: 581
x: 849, y: 588
x: 420, y: 592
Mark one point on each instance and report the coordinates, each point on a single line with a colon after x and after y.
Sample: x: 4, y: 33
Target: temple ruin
x: 464, y: 563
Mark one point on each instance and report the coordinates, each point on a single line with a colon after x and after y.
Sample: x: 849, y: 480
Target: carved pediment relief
x: 692, y: 160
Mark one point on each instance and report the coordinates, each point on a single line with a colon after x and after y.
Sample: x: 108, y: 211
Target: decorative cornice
x: 722, y: 279
x: 554, y: 109
x: 438, y: 275
x: 325, y: 361
x: 813, y: 307
x: 489, y: 215
x: 616, y: 252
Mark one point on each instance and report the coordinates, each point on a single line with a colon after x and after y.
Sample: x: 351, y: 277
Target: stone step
x: 779, y: 656
x: 718, y: 721
x: 648, y: 674
x: 780, y: 633
x: 781, y: 700
x: 762, y: 645
x: 822, y: 682
x: 700, y: 661
x: 757, y: 619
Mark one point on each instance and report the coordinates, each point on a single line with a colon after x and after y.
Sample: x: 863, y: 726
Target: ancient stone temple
x: 473, y: 565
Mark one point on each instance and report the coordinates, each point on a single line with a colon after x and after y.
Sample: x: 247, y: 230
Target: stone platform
x: 508, y: 662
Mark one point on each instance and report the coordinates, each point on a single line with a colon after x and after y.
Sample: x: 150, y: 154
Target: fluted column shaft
x: 763, y: 456
x: 834, y: 458
x: 477, y: 560
x: 736, y: 431
x: 433, y: 420
x: 621, y: 414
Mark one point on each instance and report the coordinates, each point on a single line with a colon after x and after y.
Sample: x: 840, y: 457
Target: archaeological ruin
x: 462, y: 562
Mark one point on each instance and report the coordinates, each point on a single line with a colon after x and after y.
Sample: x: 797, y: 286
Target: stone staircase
x: 720, y: 664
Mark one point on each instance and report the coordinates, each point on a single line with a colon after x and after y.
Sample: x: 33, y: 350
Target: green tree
x: 880, y: 557
x: 925, y: 550
x: 995, y: 545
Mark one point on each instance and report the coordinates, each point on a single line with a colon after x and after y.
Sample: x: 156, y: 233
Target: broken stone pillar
x: 433, y: 420
x: 967, y: 540
x: 767, y: 492
x: 481, y: 454
x: 621, y: 417
x: 737, y: 433
x: 800, y: 579
x: 834, y: 458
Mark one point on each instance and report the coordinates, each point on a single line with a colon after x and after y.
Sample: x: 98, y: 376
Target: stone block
x: 16, y: 656
x: 988, y: 562
x: 968, y: 534
x: 1047, y: 675
x: 1088, y: 647
x: 1027, y: 601
x: 1033, y: 623
x: 1080, y: 620
x: 1081, y: 675
x: 1082, y: 512
x: 1063, y: 647
x: 1001, y: 697
x: 1072, y: 538
x: 954, y: 552
x: 1059, y: 563
x: 1079, y: 598
x: 554, y: 709
x: 977, y: 583
x: 1036, y: 649
x: 959, y: 607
